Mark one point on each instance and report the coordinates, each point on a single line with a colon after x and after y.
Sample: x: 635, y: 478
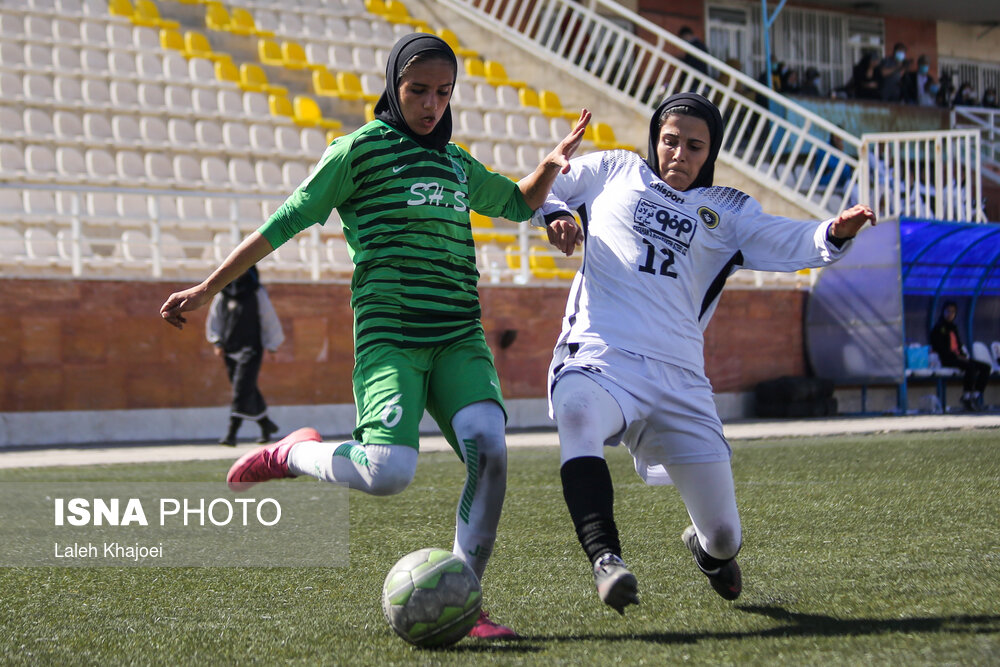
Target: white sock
x: 479, y: 429
x: 380, y: 470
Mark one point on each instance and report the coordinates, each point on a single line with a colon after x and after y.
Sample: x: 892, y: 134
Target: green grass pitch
x: 882, y: 549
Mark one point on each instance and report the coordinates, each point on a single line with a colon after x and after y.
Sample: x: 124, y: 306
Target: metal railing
x: 770, y: 139
x: 988, y: 121
x: 935, y: 175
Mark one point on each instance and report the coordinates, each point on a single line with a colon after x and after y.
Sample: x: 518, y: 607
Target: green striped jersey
x: 405, y: 212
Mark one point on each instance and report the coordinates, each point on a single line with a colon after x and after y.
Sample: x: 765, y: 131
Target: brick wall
x: 96, y: 345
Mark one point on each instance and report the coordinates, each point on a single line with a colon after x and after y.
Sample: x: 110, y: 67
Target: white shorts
x: 670, y: 415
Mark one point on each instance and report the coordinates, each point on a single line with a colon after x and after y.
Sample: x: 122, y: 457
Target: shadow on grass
x: 810, y: 625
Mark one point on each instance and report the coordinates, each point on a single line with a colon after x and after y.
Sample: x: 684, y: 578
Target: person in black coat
x: 948, y: 346
x: 241, y: 324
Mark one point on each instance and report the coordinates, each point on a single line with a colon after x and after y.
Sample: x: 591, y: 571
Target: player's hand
x: 183, y: 302
x: 217, y: 350
x: 565, y: 234
x: 849, y: 222
x: 567, y: 147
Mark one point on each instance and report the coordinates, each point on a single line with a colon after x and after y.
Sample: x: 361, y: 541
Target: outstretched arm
x: 849, y: 222
x: 253, y: 249
x: 536, y: 185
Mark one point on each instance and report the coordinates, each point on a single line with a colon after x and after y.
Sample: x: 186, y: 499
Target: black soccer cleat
x: 616, y: 586
x: 726, y: 580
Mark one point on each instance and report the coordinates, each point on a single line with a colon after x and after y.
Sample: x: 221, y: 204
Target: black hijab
x: 703, y: 109
x: 388, y: 109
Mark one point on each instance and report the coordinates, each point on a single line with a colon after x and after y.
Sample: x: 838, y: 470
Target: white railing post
x: 154, y: 235
x: 75, y: 234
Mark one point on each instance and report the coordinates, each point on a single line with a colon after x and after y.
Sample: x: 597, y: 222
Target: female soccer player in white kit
x: 628, y: 367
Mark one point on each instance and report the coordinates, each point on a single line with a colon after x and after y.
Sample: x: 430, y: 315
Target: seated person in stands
x: 948, y: 346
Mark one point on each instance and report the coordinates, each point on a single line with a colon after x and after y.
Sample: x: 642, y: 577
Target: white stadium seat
x: 236, y: 137
x: 126, y: 130
x: 11, y: 124
x: 159, y: 170
x: 215, y: 172
x: 187, y: 171
x: 208, y: 133
x: 180, y: 133
x: 131, y: 167
x: 38, y: 125
x: 262, y: 138
x: 100, y: 167
x: 97, y: 130
x: 69, y: 163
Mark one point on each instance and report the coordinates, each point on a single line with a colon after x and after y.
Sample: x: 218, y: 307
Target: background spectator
x: 891, y: 70
x: 965, y: 97
x: 866, y: 79
x: 690, y: 59
x: 990, y: 98
x: 790, y: 82
x: 241, y: 324
x: 915, y: 84
x: 813, y: 83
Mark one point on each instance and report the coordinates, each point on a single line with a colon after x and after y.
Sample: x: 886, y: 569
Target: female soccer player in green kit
x: 404, y: 194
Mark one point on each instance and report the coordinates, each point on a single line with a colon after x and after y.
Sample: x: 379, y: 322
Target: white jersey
x: 656, y: 259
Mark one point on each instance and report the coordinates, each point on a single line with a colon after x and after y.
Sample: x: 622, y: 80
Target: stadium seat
x: 196, y: 45
x: 38, y: 125
x: 12, y: 250
x: 95, y: 62
x: 529, y: 157
x: 349, y: 87
x: 66, y: 60
x: 292, y: 175
x: 131, y: 167
x: 604, y: 138
x: 187, y: 171
x: 496, y: 75
x: 215, y: 172
x: 119, y: 36
x: 216, y: 16
x: 551, y: 106
x: 306, y: 113
x: 505, y: 159
x: 208, y: 133
x: 372, y: 86
x: 290, y: 23
x: 96, y: 94
x: 205, y: 102
x: 177, y: 99
x: 267, y: 175
x: 256, y: 106
x: 11, y: 87
x: 529, y: 98
x: 475, y: 69
x: 39, y: 207
x: 159, y: 170
x: 241, y: 174
x: 146, y: 13
x: 93, y: 33
x: 472, y: 124
x: 176, y: 69
x: 338, y: 255
x: 261, y: 138
x: 280, y: 106
x: 451, y: 39
x: 269, y: 52
x: 241, y: 22
x: 11, y: 162
x: 100, y: 166
x: 151, y: 97
x: 68, y: 163
x: 236, y: 137
x: 314, y: 142
x: 124, y: 96
x: 178, y: 133
x: 41, y: 247
x: 122, y: 65
x: 396, y: 12
x: 171, y: 39
x: 495, y: 124
x: 294, y: 56
x: 324, y: 83
x: 288, y: 140
x: 253, y: 79
x: 38, y: 90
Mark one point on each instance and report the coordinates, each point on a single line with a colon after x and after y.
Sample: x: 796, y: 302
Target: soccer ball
x: 431, y: 598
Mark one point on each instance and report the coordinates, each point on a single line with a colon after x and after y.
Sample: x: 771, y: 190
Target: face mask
x: 817, y: 81
x: 924, y: 69
x: 935, y: 88
x: 900, y: 56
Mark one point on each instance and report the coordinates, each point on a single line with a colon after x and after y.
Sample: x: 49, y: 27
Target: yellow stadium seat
x: 604, y: 138
x: 306, y: 112
x: 332, y: 134
x: 294, y: 56
x: 474, y: 67
x: 375, y: 7
x: 349, y: 87
x: 269, y: 52
x: 451, y: 39
x: 528, y: 97
x: 148, y: 14
x: 396, y: 12
x: 121, y: 8
x: 225, y: 70
x: 369, y: 112
x: 253, y: 79
x: 484, y: 231
x: 543, y: 265
x: 280, y: 105
x: 549, y: 103
x: 241, y: 23
x: 496, y: 74
x: 216, y: 16
x: 196, y: 45
x: 171, y: 39
x: 324, y: 83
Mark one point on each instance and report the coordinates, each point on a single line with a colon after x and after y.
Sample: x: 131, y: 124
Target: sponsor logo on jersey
x: 709, y: 217
x: 456, y: 166
x: 666, y: 192
x: 436, y: 194
x: 665, y: 223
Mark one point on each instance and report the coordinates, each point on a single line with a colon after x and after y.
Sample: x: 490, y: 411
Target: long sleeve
x: 213, y: 323
x: 271, y: 333
x: 773, y: 243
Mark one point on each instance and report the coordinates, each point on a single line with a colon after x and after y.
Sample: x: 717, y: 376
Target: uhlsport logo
x: 709, y: 217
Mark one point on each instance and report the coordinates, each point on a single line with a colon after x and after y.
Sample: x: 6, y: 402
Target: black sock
x: 234, y: 426
x: 706, y: 561
x: 267, y: 427
x: 590, y: 497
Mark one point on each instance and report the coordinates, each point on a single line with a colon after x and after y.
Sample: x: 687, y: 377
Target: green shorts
x: 393, y: 386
